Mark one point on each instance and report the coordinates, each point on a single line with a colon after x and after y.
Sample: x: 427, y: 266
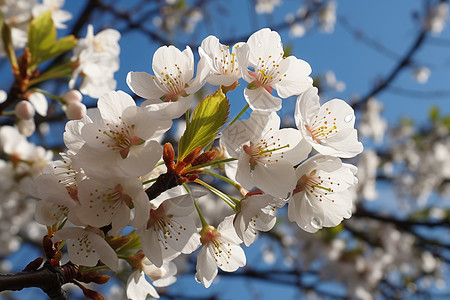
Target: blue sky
x: 390, y: 23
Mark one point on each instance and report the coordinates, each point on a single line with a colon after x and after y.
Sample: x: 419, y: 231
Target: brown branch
x: 49, y: 279
x: 405, y: 61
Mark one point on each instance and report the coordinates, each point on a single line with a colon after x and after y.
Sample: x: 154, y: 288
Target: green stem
x: 60, y: 99
x: 212, y: 163
x: 149, y: 181
x: 202, y: 219
x: 85, y: 270
x: 56, y: 72
x: 220, y: 194
x: 239, y: 115
x: 226, y: 179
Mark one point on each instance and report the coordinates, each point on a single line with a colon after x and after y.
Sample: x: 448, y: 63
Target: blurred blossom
x: 297, y: 30
x: 421, y: 74
x: 436, y: 18
x: 266, y: 6
x: 3, y: 96
x: 367, y: 174
x: 332, y: 82
x: 327, y: 17
x: 372, y: 125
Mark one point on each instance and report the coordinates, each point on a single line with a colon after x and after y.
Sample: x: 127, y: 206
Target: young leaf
x: 42, y: 41
x: 209, y: 116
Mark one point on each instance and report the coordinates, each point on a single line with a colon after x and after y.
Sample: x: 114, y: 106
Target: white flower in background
x: 332, y: 82
x: 421, y: 74
x: 24, y: 110
x: 17, y: 14
x: 39, y: 102
x: 220, y: 249
x: 255, y: 213
x: 57, y: 187
x: 171, y: 89
x: 265, y: 68
x: 110, y: 200
x: 327, y: 17
x: 266, y: 6
x: 169, y: 228
x: 138, y: 288
x: 224, y: 65
x: 162, y: 276
x: 86, y: 246
x: 3, y: 96
x: 59, y: 16
x: 119, y: 137
x: 97, y: 58
x: 436, y: 18
x: 322, y: 196
x: 27, y: 157
x: 329, y: 128
x: 367, y: 174
x: 266, y: 154
x: 372, y: 124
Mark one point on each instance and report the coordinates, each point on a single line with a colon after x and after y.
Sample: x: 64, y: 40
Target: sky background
x: 392, y: 24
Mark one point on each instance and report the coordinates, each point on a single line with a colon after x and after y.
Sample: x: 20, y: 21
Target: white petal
x: 40, y: 103
x: 112, y: 105
x: 138, y: 288
x: 206, y: 267
x: 261, y: 99
x: 143, y: 85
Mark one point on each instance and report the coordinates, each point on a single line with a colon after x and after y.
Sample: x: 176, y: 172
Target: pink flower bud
x: 72, y: 96
x: 24, y: 110
x: 75, y: 110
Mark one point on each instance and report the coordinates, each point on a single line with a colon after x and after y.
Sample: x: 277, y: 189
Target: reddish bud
x: 50, y: 249
x: 204, y: 158
x: 92, y: 276
x: 34, y: 265
x: 169, y: 156
x: 191, y: 156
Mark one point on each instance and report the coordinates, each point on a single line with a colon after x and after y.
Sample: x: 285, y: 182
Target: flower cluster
x: 102, y: 183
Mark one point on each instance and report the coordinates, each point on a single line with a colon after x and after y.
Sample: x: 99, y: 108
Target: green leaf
x: 209, y: 116
x: 434, y: 114
x: 42, y: 41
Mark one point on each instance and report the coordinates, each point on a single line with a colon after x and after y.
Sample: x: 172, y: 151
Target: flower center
x: 120, y: 137
x: 172, y: 83
x: 227, y: 63
x: 263, y: 150
x: 322, y: 127
x: 317, y: 186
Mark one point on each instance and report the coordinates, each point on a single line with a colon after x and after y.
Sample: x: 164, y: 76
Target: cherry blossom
x: 110, y: 201
x: 328, y: 128
x: 224, y: 65
x: 220, y: 249
x: 255, y: 213
x: 170, y: 90
x: 322, y: 196
x: 57, y: 187
x: 266, y: 154
x: 86, y: 246
x: 138, y: 288
x: 59, y: 16
x: 169, y: 229
x: 117, y: 137
x: 265, y: 68
x: 97, y: 57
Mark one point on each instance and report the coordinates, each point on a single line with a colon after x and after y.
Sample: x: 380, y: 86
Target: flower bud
x: 75, y: 110
x: 72, y: 96
x: 26, y: 127
x: 24, y: 110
